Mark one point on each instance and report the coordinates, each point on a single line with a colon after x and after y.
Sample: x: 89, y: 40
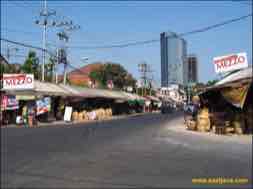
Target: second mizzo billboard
x: 230, y: 62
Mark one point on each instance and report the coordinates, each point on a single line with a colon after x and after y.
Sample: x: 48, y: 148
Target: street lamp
x: 84, y: 59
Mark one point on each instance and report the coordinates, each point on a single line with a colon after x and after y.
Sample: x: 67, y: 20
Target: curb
x: 73, y: 123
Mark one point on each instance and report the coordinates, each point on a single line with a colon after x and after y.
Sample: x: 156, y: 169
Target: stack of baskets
x: 80, y: 116
x: 85, y: 115
x: 75, y: 116
x: 203, y: 121
x: 191, y: 125
x: 218, y: 122
x: 228, y: 127
x: 238, y: 124
x: 100, y: 113
x: 97, y: 114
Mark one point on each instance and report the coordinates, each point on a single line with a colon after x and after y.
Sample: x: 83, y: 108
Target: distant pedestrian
x: 25, y: 115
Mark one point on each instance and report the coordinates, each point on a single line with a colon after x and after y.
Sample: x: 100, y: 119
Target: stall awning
x: 95, y: 93
x: 234, y: 88
x: 153, y: 98
x: 40, y: 88
x: 51, y: 89
x: 45, y: 88
x: 238, y: 78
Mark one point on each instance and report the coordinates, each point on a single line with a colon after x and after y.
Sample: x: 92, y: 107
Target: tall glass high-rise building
x: 173, y: 59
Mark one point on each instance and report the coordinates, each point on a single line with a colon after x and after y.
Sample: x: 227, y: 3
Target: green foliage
x: 49, y: 66
x: 10, y: 68
x: 211, y: 82
x: 4, y: 69
x: 114, y: 72
x: 97, y: 75
x: 31, y: 65
x: 142, y: 91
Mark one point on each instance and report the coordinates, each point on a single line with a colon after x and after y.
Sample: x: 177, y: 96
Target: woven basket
x: 239, y: 126
x: 203, y: 123
x: 213, y: 129
x: 201, y: 128
x: 229, y: 130
x: 191, y: 125
x: 75, y: 116
x: 80, y: 116
x: 203, y: 113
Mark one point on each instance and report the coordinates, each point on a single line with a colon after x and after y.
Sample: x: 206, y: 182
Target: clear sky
x: 108, y: 23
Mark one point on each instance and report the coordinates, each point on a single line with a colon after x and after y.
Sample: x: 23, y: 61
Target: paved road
x: 141, y: 151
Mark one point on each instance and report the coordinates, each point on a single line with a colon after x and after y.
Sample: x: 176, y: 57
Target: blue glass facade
x: 173, y: 59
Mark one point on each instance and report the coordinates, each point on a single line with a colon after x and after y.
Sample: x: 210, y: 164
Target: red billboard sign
x: 230, y: 62
x: 18, y: 81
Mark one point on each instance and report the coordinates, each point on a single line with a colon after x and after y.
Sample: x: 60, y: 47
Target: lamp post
x: 84, y: 59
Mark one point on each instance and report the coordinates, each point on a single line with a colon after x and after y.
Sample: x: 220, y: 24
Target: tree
x: 4, y: 69
x: 49, y: 69
x: 115, y: 72
x: 10, y: 68
x: 211, y: 82
x: 31, y: 65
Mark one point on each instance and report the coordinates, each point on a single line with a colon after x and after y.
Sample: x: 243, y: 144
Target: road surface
x: 143, y: 151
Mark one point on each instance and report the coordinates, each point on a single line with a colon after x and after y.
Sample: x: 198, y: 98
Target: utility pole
x: 64, y: 37
x: 45, y: 23
x: 65, y: 74
x: 57, y: 63
x: 144, y: 70
x: 150, y: 84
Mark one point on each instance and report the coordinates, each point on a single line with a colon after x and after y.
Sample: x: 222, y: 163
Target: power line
x: 22, y: 44
x: 141, y: 42
x: 157, y: 40
x: 26, y: 45
x: 146, y: 41
x: 215, y: 25
x: 77, y: 69
x: 19, y: 31
x: 16, y: 55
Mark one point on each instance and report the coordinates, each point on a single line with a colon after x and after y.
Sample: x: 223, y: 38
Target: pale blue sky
x: 106, y: 23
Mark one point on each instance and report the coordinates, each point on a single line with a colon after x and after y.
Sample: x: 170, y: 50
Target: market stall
x: 43, y: 101
x: 226, y: 107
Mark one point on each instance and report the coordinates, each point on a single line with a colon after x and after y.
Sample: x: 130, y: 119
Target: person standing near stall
x: 25, y: 115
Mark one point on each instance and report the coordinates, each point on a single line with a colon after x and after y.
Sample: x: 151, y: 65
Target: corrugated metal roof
x: 45, y: 88
x: 49, y: 89
x: 129, y: 96
x: 41, y: 88
x: 153, y: 98
x: 92, y: 93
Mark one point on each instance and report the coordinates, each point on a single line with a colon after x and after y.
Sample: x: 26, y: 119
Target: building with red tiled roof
x: 81, y: 76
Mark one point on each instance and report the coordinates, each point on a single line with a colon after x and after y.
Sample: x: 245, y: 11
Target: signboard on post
x: 9, y: 102
x: 67, y: 113
x: 230, y: 62
x: 43, y: 105
x: 18, y: 81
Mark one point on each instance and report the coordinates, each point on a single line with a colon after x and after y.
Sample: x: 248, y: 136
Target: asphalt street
x: 141, y: 151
